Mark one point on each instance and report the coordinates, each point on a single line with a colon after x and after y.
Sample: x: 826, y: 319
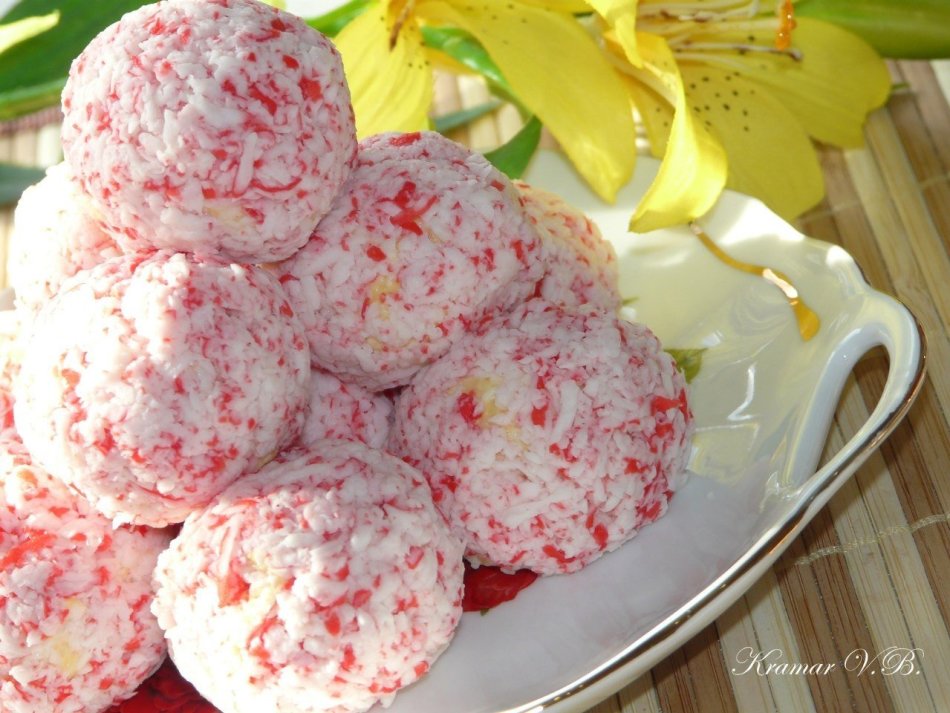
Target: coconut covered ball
x: 345, y: 411
x: 426, y: 240
x: 221, y: 127
x: 580, y: 267
x: 548, y: 438
x: 54, y: 236
x: 11, y: 347
x: 325, y: 582
x: 154, y: 381
x: 76, y: 630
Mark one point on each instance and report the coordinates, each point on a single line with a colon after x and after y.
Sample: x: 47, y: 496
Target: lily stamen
x: 698, y: 12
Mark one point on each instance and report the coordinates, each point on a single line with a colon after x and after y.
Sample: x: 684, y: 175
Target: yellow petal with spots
x: 693, y: 171
x: 391, y: 87
x: 830, y: 89
x: 559, y: 74
x: 656, y: 115
x: 770, y: 155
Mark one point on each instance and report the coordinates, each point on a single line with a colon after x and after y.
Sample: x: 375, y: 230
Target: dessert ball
x: 54, y: 236
x: 345, y: 411
x: 580, y: 267
x: 76, y: 630
x: 426, y: 240
x: 325, y: 582
x: 11, y: 346
x: 549, y: 437
x: 221, y: 127
x: 150, y: 382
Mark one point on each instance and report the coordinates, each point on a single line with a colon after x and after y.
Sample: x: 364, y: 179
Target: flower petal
x: 391, y: 87
x: 770, y: 155
x: 656, y: 115
x: 830, y: 90
x: 557, y: 71
x: 693, y: 171
x: 621, y: 18
x: 570, y: 6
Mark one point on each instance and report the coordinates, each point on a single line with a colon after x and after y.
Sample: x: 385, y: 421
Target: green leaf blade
x: 462, y: 117
x: 13, y: 33
x: 332, y: 22
x: 30, y: 68
x: 900, y: 29
x: 688, y: 361
x: 513, y: 157
x: 14, y: 179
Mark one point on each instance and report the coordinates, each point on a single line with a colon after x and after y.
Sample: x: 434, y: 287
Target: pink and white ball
x: 580, y: 267
x: 55, y: 235
x: 325, y: 582
x: 220, y: 127
x: 549, y: 438
x: 426, y: 240
x: 345, y: 411
x: 76, y: 631
x: 150, y: 382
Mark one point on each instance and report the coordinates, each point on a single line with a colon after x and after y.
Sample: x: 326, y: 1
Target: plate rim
x: 701, y: 609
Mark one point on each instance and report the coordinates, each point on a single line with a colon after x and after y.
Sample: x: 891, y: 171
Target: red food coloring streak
x: 374, y: 252
x: 267, y: 101
x: 487, y: 587
x: 634, y: 466
x: 406, y: 139
x: 290, y: 62
x: 538, y: 414
x: 332, y: 624
x: 414, y: 557
x: 233, y: 588
x: 466, y: 407
x: 406, y: 218
x: 556, y: 554
x: 311, y: 89
x: 17, y: 554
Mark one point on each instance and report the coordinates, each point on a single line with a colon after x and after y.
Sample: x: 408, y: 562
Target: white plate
x: 763, y: 403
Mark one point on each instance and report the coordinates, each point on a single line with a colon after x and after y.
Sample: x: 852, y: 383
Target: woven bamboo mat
x: 872, y: 571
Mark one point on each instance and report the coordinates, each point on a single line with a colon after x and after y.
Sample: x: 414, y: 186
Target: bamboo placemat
x: 872, y: 571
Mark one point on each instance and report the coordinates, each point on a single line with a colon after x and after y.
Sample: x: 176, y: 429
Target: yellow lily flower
x: 551, y: 63
x: 693, y: 171
x: 763, y: 87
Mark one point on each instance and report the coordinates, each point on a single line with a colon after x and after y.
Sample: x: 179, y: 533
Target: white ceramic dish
x: 763, y: 402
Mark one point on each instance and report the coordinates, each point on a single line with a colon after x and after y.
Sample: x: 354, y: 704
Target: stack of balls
x: 269, y: 385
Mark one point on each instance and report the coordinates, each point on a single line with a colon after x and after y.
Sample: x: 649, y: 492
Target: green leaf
x: 30, y: 69
x: 908, y: 29
x: 468, y: 51
x: 15, y: 179
x: 332, y: 22
x: 26, y: 100
x: 455, y: 119
x: 688, y: 361
x: 512, y: 158
x: 13, y: 33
